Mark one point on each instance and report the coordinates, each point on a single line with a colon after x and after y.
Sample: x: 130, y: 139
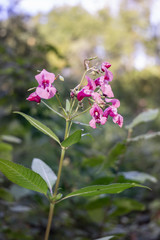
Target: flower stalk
x: 52, y: 204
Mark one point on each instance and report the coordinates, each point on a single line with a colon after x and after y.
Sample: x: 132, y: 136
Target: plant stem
x: 59, y: 171
x: 52, y: 109
x: 51, y: 210
x: 60, y: 104
x: 52, y: 205
x: 80, y: 113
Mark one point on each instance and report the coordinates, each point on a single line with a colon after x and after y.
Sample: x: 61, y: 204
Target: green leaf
x: 40, y: 126
x: 5, y: 151
x: 113, y: 155
x: 146, y: 116
x: 144, y: 137
x: 6, y: 195
x: 23, y: 176
x: 138, y: 176
x: 103, y: 189
x: 126, y: 205
x: 98, y: 203
x: 93, y: 161
x: 44, y: 171
x: 72, y: 139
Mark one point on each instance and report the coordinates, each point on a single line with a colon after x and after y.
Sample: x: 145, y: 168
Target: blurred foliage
x: 59, y: 42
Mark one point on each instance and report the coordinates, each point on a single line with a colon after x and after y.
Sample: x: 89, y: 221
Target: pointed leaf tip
x: 103, y: 189
x: 40, y: 126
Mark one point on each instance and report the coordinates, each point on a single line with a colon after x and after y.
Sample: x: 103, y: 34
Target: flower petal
x: 43, y: 76
x: 107, y: 90
x: 118, y: 119
x: 115, y: 102
x: 46, y: 93
x: 92, y: 123
x: 34, y: 97
x: 105, y: 66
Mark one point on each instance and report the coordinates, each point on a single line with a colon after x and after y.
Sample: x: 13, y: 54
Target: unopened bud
x: 72, y: 94
x: 61, y: 78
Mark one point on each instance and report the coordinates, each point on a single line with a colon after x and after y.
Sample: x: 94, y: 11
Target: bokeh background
x: 58, y: 36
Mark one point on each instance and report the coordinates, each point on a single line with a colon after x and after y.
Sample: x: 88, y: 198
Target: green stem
x: 52, y: 109
x: 59, y: 171
x: 50, y: 216
x: 52, y: 205
x: 60, y: 104
x: 80, y: 113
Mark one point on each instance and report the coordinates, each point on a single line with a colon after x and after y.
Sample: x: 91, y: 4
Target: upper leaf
x: 45, y: 172
x: 40, y: 126
x: 102, y: 189
x: 72, y: 139
x: 143, y: 117
x: 23, y: 176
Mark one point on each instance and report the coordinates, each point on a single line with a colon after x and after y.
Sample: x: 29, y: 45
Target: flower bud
x: 61, y: 78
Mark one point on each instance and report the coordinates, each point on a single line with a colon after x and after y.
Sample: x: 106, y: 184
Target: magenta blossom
x: 108, y: 76
x: 118, y: 119
x: 115, y: 102
x: 45, y: 89
x: 107, y: 90
x: 87, y: 90
x: 97, y: 115
x: 34, y: 97
x: 105, y: 66
x: 97, y: 98
x: 103, y: 83
x: 110, y: 111
x: 45, y: 78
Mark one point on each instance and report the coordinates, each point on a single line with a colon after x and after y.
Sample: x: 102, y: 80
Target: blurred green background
x: 59, y: 41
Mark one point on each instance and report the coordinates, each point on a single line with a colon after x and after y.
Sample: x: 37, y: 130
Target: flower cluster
x: 100, y: 91
x: 45, y: 89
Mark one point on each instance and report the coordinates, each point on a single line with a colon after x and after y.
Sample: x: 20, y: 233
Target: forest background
x: 59, y: 41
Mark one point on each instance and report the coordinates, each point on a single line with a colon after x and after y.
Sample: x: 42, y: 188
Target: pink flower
x: 97, y: 115
x: 45, y: 78
x: 103, y: 83
x: 110, y: 111
x: 47, y: 92
x: 45, y: 89
x: 105, y: 66
x: 108, y: 75
x: 118, y: 119
x: 34, y: 97
x: 87, y: 90
x: 107, y: 90
x: 97, y: 97
x: 115, y: 102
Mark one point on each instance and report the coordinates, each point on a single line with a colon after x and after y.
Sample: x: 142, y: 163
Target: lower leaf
x: 103, y: 189
x: 23, y: 176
